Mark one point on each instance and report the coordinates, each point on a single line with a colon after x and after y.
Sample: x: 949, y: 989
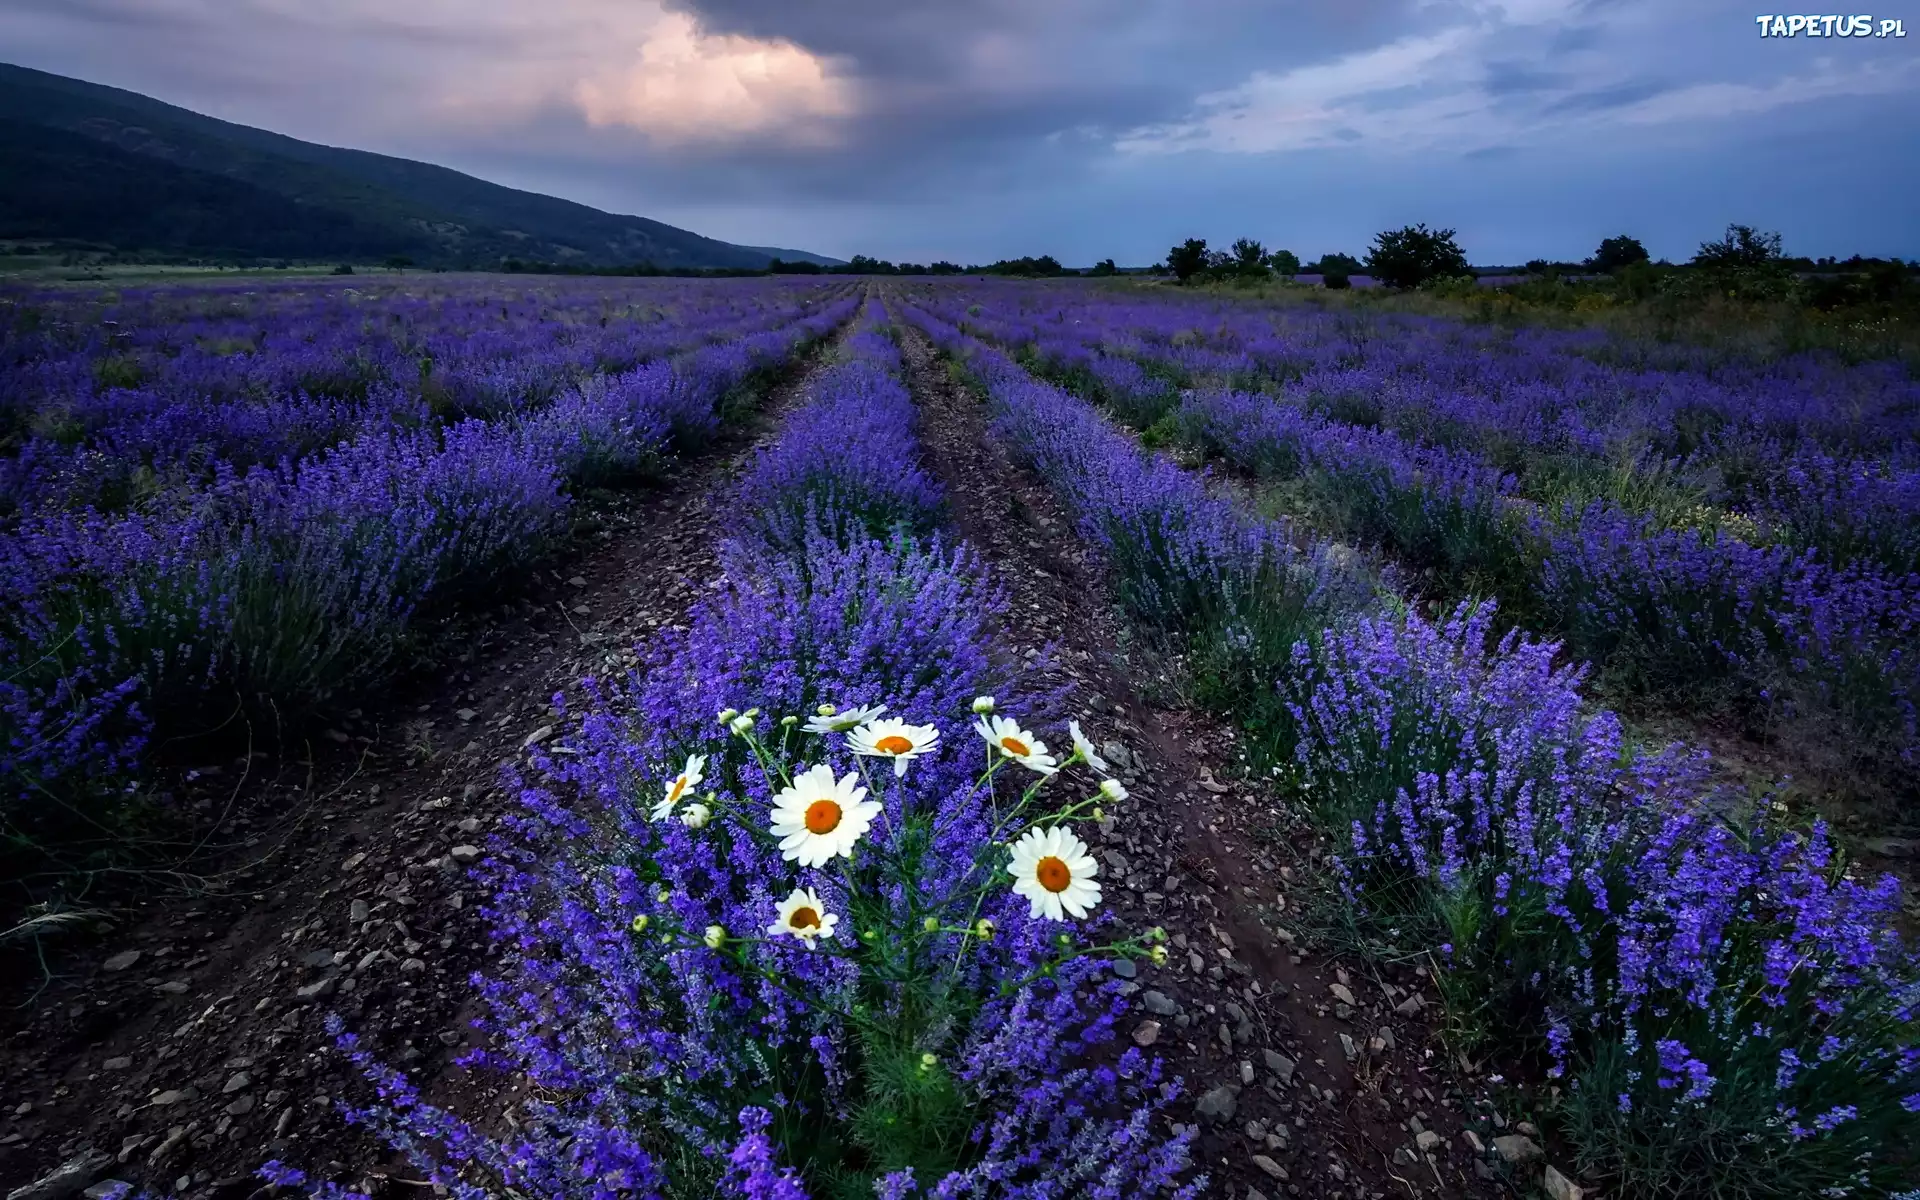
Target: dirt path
x: 188, y: 1045
x: 1307, y: 1076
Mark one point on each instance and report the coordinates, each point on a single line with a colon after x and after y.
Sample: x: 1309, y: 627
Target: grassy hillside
x: 75, y: 154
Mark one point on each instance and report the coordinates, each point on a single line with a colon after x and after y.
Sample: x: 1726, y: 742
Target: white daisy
x: 802, y: 915
x: 1113, y: 790
x: 1053, y: 870
x: 1087, y: 753
x: 1016, y: 743
x: 839, y: 722
x: 817, y: 816
x: 684, y: 782
x: 893, y: 738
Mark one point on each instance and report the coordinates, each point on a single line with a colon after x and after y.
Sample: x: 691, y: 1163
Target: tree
x: 1104, y: 267
x: 1188, y: 259
x: 1615, y: 253
x: 1408, y: 257
x: 1335, y: 264
x: 1283, y: 262
x: 1742, y: 248
x: 1249, y: 258
x: 398, y: 262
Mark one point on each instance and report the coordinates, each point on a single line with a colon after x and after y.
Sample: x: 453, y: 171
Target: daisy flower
x: 1085, y: 748
x: 1113, y: 790
x: 684, y: 782
x: 893, y: 738
x: 816, y: 816
x: 1016, y: 743
x: 802, y: 915
x: 1052, y: 869
x: 839, y: 722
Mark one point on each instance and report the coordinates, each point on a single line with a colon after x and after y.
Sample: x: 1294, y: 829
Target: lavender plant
x: 1726, y: 1006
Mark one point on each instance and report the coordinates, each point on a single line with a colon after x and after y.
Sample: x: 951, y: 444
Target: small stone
x: 413, y: 966
x: 168, y: 1098
x: 1517, y: 1148
x: 240, y: 1107
x: 1411, y: 1006
x: 1403, y: 1157
x: 317, y: 991
x: 469, y: 825
x: 465, y: 714
x: 1124, y: 968
x: 120, y: 1063
x: 1158, y: 1004
x: 1559, y: 1187
x: 238, y: 1081
x: 121, y: 961
x: 358, y: 911
x: 1246, y: 1071
x: 1218, y: 1105
x: 536, y: 737
x: 1343, y: 994
x: 173, y: 987
x: 465, y: 855
x: 1273, y: 1169
x: 107, y: 1187
x: 1146, y: 1033
x: 1281, y: 1066
x: 1528, y: 1128
x: 1346, y: 1045
x: 77, y: 1173
x: 1473, y: 1141
x: 1428, y: 1141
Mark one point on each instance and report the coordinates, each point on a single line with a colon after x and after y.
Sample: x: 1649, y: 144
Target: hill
x: 84, y: 163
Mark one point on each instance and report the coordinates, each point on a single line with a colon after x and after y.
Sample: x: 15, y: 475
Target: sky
x: 972, y: 130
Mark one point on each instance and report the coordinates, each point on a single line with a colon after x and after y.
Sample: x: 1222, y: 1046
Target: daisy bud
x: 727, y: 715
x: 640, y: 923
x: 716, y: 936
x: 662, y: 896
x: 930, y: 924
x: 983, y: 705
x: 1156, y: 934
x: 928, y: 1062
x: 1098, y: 813
x: 752, y: 712
x: 1113, y: 790
x: 824, y: 710
x: 1159, y: 956
x: 1064, y: 941
x: 695, y: 816
x: 789, y: 721
x: 870, y: 935
x: 983, y: 929
x: 742, y: 724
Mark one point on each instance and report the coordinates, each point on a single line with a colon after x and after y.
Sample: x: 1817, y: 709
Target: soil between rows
x: 1193, y: 851
x: 189, y: 1042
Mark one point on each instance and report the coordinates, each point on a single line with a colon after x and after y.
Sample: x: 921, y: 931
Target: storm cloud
x: 974, y: 129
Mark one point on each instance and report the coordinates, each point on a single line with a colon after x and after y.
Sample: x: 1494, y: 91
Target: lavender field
x: 1070, y: 740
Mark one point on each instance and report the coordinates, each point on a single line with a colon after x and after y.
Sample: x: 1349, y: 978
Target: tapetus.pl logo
x: 1825, y: 25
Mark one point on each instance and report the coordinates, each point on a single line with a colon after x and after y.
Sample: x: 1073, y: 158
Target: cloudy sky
x: 977, y: 129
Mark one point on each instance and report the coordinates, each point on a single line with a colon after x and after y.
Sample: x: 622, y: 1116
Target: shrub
x: 1408, y: 257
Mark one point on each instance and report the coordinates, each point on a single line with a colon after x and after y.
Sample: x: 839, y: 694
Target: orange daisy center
x: 823, y: 816
x: 1052, y: 874
x: 1015, y: 747
x: 679, y: 785
x: 893, y: 743
x: 804, y: 918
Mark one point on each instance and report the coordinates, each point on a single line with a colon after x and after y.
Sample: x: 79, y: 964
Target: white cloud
x: 685, y: 85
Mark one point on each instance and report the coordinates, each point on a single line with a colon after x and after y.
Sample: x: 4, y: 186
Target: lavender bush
x: 1728, y: 1009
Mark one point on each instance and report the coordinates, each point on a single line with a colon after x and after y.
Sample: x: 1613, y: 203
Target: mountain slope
x: 333, y: 197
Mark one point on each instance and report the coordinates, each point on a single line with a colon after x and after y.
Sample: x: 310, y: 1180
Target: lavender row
x: 1695, y: 612
x: 1717, y: 1002
x: 1810, y: 455
x: 291, y: 586
x: 112, y: 403
x: 901, y: 1023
